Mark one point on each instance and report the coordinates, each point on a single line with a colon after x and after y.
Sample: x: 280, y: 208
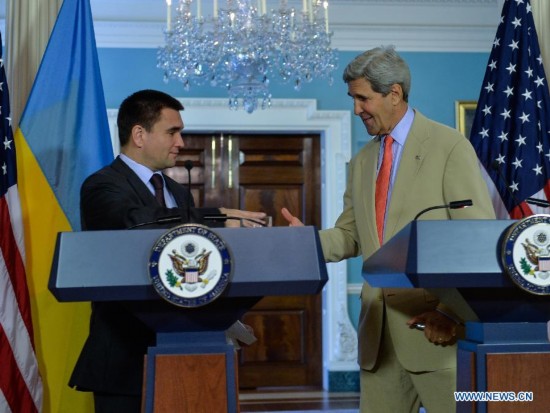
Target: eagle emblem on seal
x: 537, y: 260
x: 188, y: 267
x: 526, y: 253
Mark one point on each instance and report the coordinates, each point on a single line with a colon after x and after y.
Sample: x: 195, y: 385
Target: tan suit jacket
x: 438, y: 165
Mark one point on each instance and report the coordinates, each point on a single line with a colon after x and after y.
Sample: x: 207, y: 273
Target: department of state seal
x: 526, y: 254
x: 190, y: 265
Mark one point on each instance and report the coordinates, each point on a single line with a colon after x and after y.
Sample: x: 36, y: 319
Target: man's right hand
x: 292, y: 220
x: 249, y: 219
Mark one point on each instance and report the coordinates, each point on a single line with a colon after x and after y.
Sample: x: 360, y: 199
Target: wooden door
x: 266, y: 173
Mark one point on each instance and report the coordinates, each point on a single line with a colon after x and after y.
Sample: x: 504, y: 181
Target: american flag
x: 20, y: 382
x: 511, y: 128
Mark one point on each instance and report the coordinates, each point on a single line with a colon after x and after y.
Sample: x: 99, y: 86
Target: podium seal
x: 190, y: 265
x: 526, y: 254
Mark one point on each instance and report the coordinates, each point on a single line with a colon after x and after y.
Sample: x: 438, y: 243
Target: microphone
x: 224, y: 217
x: 496, y: 167
x: 451, y: 205
x: 538, y: 202
x: 216, y: 217
x: 210, y: 217
x: 188, y: 164
x: 165, y: 220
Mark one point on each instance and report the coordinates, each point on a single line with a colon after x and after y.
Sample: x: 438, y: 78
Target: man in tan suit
x: 430, y: 164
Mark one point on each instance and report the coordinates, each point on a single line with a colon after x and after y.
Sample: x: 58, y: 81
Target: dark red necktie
x: 158, y: 184
x: 383, y: 186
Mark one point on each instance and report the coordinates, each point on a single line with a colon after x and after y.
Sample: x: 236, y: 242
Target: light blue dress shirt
x: 399, y: 134
x: 145, y: 175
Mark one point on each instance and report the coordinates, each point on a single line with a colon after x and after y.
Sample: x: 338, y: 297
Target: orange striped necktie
x: 383, y: 186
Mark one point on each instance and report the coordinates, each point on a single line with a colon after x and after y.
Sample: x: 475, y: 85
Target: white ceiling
x: 411, y: 25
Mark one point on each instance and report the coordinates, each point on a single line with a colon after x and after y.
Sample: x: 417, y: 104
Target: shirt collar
x: 140, y: 170
x: 401, y: 130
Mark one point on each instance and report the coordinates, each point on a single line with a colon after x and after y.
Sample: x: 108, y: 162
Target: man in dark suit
x: 123, y: 195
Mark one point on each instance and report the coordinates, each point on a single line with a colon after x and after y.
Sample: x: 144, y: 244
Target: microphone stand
x: 538, y: 202
x: 188, y: 164
x: 451, y: 205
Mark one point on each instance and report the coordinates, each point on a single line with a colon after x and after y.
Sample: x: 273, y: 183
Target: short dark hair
x: 143, y: 108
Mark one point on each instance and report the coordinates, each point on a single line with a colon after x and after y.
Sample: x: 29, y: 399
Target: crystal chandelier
x: 242, y: 46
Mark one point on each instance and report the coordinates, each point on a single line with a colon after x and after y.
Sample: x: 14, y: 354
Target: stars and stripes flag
x: 20, y: 382
x: 511, y: 128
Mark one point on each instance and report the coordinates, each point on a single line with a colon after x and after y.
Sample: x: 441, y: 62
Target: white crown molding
x: 413, y: 25
x: 349, y: 38
x: 408, y: 2
x: 410, y: 25
x: 416, y: 39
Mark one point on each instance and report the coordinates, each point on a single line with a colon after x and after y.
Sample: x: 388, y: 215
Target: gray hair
x: 382, y: 67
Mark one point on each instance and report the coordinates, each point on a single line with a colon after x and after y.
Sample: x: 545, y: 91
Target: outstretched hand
x: 292, y: 220
x: 250, y: 219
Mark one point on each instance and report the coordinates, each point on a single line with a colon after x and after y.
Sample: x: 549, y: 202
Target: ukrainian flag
x: 62, y: 138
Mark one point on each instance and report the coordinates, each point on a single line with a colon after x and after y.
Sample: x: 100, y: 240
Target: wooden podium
x: 192, y: 368
x: 506, y: 348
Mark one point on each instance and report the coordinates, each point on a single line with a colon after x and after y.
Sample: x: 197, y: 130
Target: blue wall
x: 438, y: 80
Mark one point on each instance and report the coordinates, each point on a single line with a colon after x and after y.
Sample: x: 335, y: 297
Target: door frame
x: 296, y: 116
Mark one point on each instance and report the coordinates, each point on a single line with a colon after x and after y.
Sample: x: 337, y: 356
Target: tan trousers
x: 389, y: 388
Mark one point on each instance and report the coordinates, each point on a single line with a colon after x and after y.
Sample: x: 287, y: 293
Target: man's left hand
x: 439, y: 329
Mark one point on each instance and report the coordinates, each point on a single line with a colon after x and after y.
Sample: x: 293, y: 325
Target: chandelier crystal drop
x: 243, y: 46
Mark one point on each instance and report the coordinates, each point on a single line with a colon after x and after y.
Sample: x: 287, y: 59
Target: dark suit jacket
x: 115, y: 198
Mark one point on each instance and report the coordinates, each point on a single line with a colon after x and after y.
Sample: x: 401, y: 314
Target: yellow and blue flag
x: 63, y: 137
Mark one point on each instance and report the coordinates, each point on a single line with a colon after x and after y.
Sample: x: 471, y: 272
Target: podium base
x: 507, y: 358
x: 191, y: 372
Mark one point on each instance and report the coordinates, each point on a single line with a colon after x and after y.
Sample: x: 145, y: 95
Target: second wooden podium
x: 506, y: 349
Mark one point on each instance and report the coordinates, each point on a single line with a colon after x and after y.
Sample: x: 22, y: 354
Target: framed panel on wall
x: 465, y: 111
